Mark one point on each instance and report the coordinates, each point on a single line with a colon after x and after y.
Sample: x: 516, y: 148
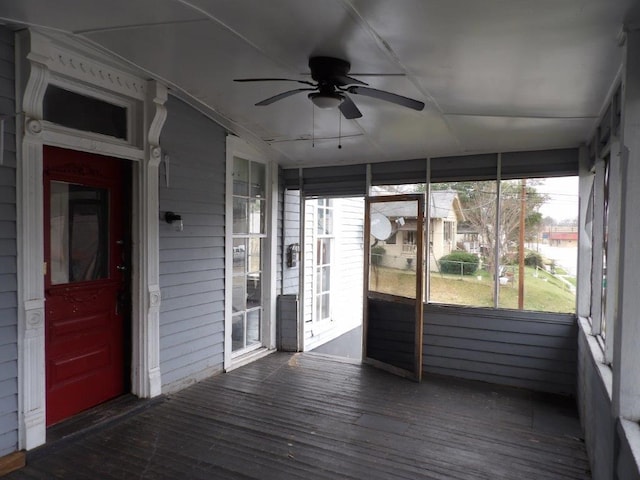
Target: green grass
x: 541, y: 293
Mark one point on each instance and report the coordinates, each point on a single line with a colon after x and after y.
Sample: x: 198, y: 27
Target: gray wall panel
x: 527, y: 350
x: 594, y: 403
x: 8, y: 249
x: 192, y: 261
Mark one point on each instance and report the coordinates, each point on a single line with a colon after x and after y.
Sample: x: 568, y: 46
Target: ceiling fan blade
x: 273, y: 80
x: 344, y: 80
x: 280, y: 96
x: 387, y: 96
x: 349, y: 109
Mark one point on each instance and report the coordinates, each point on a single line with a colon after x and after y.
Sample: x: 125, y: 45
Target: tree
x: 479, y: 206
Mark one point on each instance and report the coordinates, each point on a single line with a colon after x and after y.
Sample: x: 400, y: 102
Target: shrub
x: 533, y: 259
x: 451, y: 263
x: 376, y: 254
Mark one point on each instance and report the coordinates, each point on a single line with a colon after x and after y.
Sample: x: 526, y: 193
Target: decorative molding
x: 36, y: 87
x: 47, y: 59
x: 147, y: 380
x: 57, y: 136
x: 158, y: 112
x: 154, y: 297
x: 64, y: 59
x: 34, y: 127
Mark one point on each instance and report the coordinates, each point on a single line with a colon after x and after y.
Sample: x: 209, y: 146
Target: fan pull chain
x: 313, y: 125
x: 339, y: 130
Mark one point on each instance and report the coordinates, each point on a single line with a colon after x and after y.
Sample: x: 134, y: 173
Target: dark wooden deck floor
x: 311, y: 417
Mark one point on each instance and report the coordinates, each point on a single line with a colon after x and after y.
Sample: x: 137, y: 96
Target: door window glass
x: 78, y: 233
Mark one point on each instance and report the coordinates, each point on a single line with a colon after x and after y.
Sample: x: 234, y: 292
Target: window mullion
x: 496, y: 256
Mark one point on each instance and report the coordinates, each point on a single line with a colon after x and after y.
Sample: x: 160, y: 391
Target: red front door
x: 85, y: 280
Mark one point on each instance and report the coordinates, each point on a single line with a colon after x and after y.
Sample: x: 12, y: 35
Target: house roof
x: 442, y: 202
x: 564, y: 236
x: 495, y: 76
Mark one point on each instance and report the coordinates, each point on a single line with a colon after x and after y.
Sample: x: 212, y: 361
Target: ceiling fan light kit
x: 326, y: 101
x: 334, y: 87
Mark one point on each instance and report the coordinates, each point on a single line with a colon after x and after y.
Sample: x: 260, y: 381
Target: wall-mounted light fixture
x: 174, y: 220
x: 293, y: 251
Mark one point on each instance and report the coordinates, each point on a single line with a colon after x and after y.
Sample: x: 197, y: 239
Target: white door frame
x: 54, y: 59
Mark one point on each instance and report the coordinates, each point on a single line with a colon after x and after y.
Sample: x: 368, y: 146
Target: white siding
x: 8, y: 282
x: 192, y: 261
x: 291, y: 235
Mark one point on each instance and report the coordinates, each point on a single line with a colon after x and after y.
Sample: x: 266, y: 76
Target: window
x: 518, y: 247
x: 462, y: 277
x: 249, y: 234
x: 604, y: 243
x: 322, y: 260
x: 81, y: 112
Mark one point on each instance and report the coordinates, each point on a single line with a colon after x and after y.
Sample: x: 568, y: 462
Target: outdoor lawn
x: 542, y: 291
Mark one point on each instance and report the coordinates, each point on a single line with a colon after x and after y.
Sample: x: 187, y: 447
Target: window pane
x: 329, y: 221
x: 254, y: 290
x: 257, y: 180
x: 79, y: 233
x: 548, y: 246
x: 462, y: 218
x: 240, y: 176
x: 240, y: 218
x: 239, y: 294
x: 255, y: 254
x: 320, y: 222
x: 88, y: 114
x: 326, y: 278
x: 324, y: 251
x: 392, y: 265
x: 325, y: 309
x: 237, y: 332
x: 239, y: 256
x: 318, y: 285
x: 253, y: 327
x: 256, y: 216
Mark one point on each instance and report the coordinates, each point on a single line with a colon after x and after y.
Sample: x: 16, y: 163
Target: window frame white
x: 318, y: 292
x: 238, y: 148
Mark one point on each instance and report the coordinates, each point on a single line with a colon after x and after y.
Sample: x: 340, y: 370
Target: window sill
x: 252, y: 356
x: 630, y: 431
x: 597, y: 355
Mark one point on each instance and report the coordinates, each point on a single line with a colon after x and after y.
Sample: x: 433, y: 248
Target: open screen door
x: 394, y: 246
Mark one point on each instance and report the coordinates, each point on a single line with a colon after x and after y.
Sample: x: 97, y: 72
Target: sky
x: 563, y: 198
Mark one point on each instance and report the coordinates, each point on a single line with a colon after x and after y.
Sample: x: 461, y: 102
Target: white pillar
x: 626, y: 374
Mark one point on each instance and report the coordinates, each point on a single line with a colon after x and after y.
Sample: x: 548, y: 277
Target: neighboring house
x: 400, y: 248
x: 468, y: 238
x: 561, y: 236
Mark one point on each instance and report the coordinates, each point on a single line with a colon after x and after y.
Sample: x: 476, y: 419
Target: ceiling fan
x: 333, y: 87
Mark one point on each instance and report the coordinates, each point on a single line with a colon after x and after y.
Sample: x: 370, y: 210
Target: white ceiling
x: 496, y: 75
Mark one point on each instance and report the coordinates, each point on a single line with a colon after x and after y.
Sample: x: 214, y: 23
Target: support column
x: 626, y: 374
x: 147, y: 382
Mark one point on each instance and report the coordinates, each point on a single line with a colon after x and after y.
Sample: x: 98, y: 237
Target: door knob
x: 122, y: 268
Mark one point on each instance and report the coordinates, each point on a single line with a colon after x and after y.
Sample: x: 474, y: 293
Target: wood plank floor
x: 308, y: 416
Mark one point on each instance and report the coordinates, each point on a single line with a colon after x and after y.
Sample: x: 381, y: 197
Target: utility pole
x: 523, y: 205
